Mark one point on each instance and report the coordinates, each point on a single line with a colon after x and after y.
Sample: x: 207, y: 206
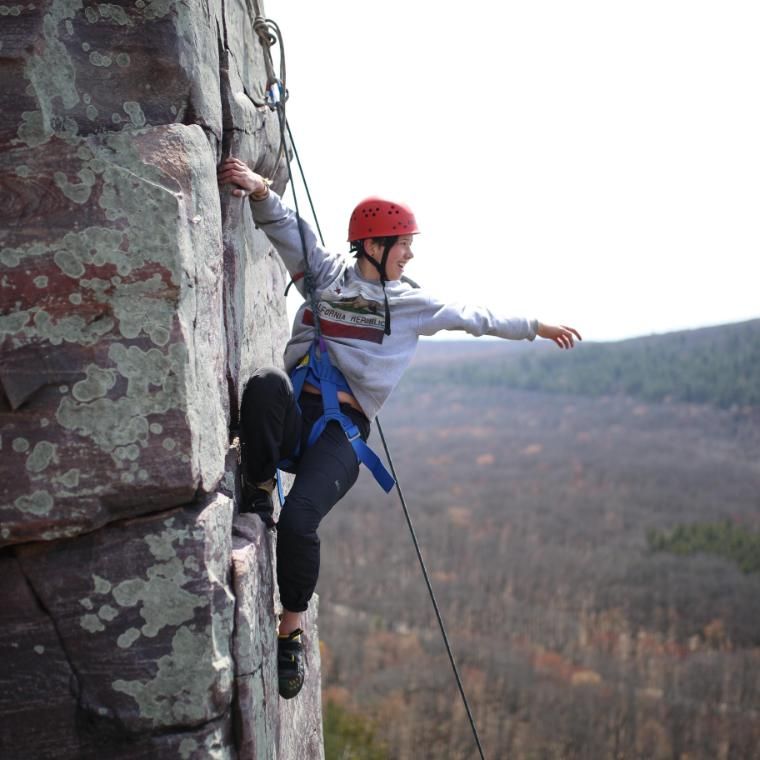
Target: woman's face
x: 399, y: 256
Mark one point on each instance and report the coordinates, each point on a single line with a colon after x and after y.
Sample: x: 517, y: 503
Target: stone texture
x: 110, y: 331
x: 116, y: 644
x: 80, y: 68
x: 37, y: 683
x: 144, y: 612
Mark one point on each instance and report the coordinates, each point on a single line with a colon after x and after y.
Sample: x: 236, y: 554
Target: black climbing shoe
x: 290, y: 664
x: 258, y: 500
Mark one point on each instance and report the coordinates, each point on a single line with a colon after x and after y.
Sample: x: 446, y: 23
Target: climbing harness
x: 318, y: 370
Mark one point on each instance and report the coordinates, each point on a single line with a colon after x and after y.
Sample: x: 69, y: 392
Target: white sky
x: 595, y: 163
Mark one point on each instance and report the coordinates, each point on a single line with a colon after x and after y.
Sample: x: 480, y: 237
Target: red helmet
x: 377, y: 217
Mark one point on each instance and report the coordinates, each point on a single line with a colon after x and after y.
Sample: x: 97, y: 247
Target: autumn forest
x: 591, y: 524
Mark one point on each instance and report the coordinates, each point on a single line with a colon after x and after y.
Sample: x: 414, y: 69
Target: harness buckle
x: 353, y: 434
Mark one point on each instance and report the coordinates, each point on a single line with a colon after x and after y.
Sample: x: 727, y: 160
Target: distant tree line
x: 533, y: 516
x: 724, y: 539
x: 718, y: 366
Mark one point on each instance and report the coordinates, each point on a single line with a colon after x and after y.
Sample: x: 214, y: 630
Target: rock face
x: 139, y: 611
x: 114, y: 283
x: 142, y: 617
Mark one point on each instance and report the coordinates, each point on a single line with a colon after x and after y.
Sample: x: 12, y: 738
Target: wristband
x: 267, y: 182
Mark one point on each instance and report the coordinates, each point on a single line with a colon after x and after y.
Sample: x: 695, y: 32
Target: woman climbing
x: 343, y: 364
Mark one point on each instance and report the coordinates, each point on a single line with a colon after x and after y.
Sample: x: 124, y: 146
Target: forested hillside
x: 593, y: 557
x: 716, y: 365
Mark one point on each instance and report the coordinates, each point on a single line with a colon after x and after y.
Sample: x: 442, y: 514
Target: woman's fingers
x: 572, y: 330
x: 235, y: 172
x: 565, y: 336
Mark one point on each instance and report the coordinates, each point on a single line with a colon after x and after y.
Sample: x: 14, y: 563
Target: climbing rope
x: 277, y: 95
x: 308, y: 277
x: 263, y: 27
x: 269, y: 34
x: 438, y: 615
x: 306, y: 187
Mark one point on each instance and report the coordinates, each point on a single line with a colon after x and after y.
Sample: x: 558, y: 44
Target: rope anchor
x: 276, y: 94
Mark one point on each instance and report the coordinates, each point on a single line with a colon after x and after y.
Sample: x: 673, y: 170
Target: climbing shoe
x: 290, y: 663
x: 257, y: 498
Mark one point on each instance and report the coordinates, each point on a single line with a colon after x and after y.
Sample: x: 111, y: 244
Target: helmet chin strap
x: 380, y: 266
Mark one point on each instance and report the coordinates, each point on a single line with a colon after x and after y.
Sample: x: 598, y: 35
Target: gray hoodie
x: 352, y: 312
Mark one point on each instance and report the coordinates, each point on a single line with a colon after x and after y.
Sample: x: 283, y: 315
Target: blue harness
x: 316, y: 369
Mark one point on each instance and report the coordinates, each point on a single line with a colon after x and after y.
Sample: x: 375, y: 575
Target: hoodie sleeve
x: 280, y: 224
x: 476, y: 320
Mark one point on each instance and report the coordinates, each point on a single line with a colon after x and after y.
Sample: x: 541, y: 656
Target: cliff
x: 139, y: 609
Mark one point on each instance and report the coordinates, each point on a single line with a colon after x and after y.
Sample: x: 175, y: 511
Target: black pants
x: 272, y: 425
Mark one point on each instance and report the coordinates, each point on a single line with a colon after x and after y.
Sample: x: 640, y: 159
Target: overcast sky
x: 595, y: 163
